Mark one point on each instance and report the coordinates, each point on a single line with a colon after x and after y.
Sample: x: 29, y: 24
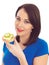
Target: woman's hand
x: 15, y: 48
x: 17, y: 51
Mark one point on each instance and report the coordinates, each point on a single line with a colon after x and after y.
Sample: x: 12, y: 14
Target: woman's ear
x: 32, y: 27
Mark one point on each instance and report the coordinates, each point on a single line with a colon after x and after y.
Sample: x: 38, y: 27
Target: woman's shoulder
x: 42, y: 47
x: 39, y: 43
x: 42, y: 42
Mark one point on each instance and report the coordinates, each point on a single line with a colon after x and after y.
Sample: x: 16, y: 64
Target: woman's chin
x: 20, y: 34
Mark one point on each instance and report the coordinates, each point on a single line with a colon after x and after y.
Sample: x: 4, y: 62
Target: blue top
x: 36, y: 49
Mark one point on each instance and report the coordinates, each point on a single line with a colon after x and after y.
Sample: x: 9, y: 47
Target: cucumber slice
x: 7, y: 35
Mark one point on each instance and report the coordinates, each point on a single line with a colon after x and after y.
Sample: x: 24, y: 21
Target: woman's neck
x: 24, y: 39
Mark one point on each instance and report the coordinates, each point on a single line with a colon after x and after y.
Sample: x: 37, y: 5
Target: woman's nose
x: 20, y: 23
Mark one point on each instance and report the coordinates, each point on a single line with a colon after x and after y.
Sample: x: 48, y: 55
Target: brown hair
x: 34, y: 17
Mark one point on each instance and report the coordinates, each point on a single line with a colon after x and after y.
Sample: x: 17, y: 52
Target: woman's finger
x: 15, y: 41
x: 9, y: 45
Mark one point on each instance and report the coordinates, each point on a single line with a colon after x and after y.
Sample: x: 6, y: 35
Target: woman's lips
x: 19, y: 30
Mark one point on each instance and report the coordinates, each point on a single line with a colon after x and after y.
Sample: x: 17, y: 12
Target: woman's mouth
x: 19, y: 30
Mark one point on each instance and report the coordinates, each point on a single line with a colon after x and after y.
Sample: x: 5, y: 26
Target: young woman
x: 31, y: 50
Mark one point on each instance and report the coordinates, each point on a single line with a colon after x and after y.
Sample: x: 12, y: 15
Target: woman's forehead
x: 22, y: 14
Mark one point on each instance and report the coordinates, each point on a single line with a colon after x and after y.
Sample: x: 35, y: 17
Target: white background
x: 7, y: 18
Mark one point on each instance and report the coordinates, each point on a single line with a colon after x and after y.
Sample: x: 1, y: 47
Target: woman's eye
x: 26, y: 21
x: 18, y: 19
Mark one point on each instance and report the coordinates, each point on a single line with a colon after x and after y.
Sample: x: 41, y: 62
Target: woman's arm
x: 16, y: 50
x: 23, y: 60
x: 42, y: 60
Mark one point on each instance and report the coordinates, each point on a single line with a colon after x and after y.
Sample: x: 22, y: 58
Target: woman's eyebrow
x: 18, y: 16
x: 24, y: 19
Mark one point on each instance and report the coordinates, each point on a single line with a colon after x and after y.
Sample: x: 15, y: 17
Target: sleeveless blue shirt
x: 36, y: 49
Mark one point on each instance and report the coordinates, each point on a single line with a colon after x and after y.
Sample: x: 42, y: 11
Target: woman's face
x: 23, y: 26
